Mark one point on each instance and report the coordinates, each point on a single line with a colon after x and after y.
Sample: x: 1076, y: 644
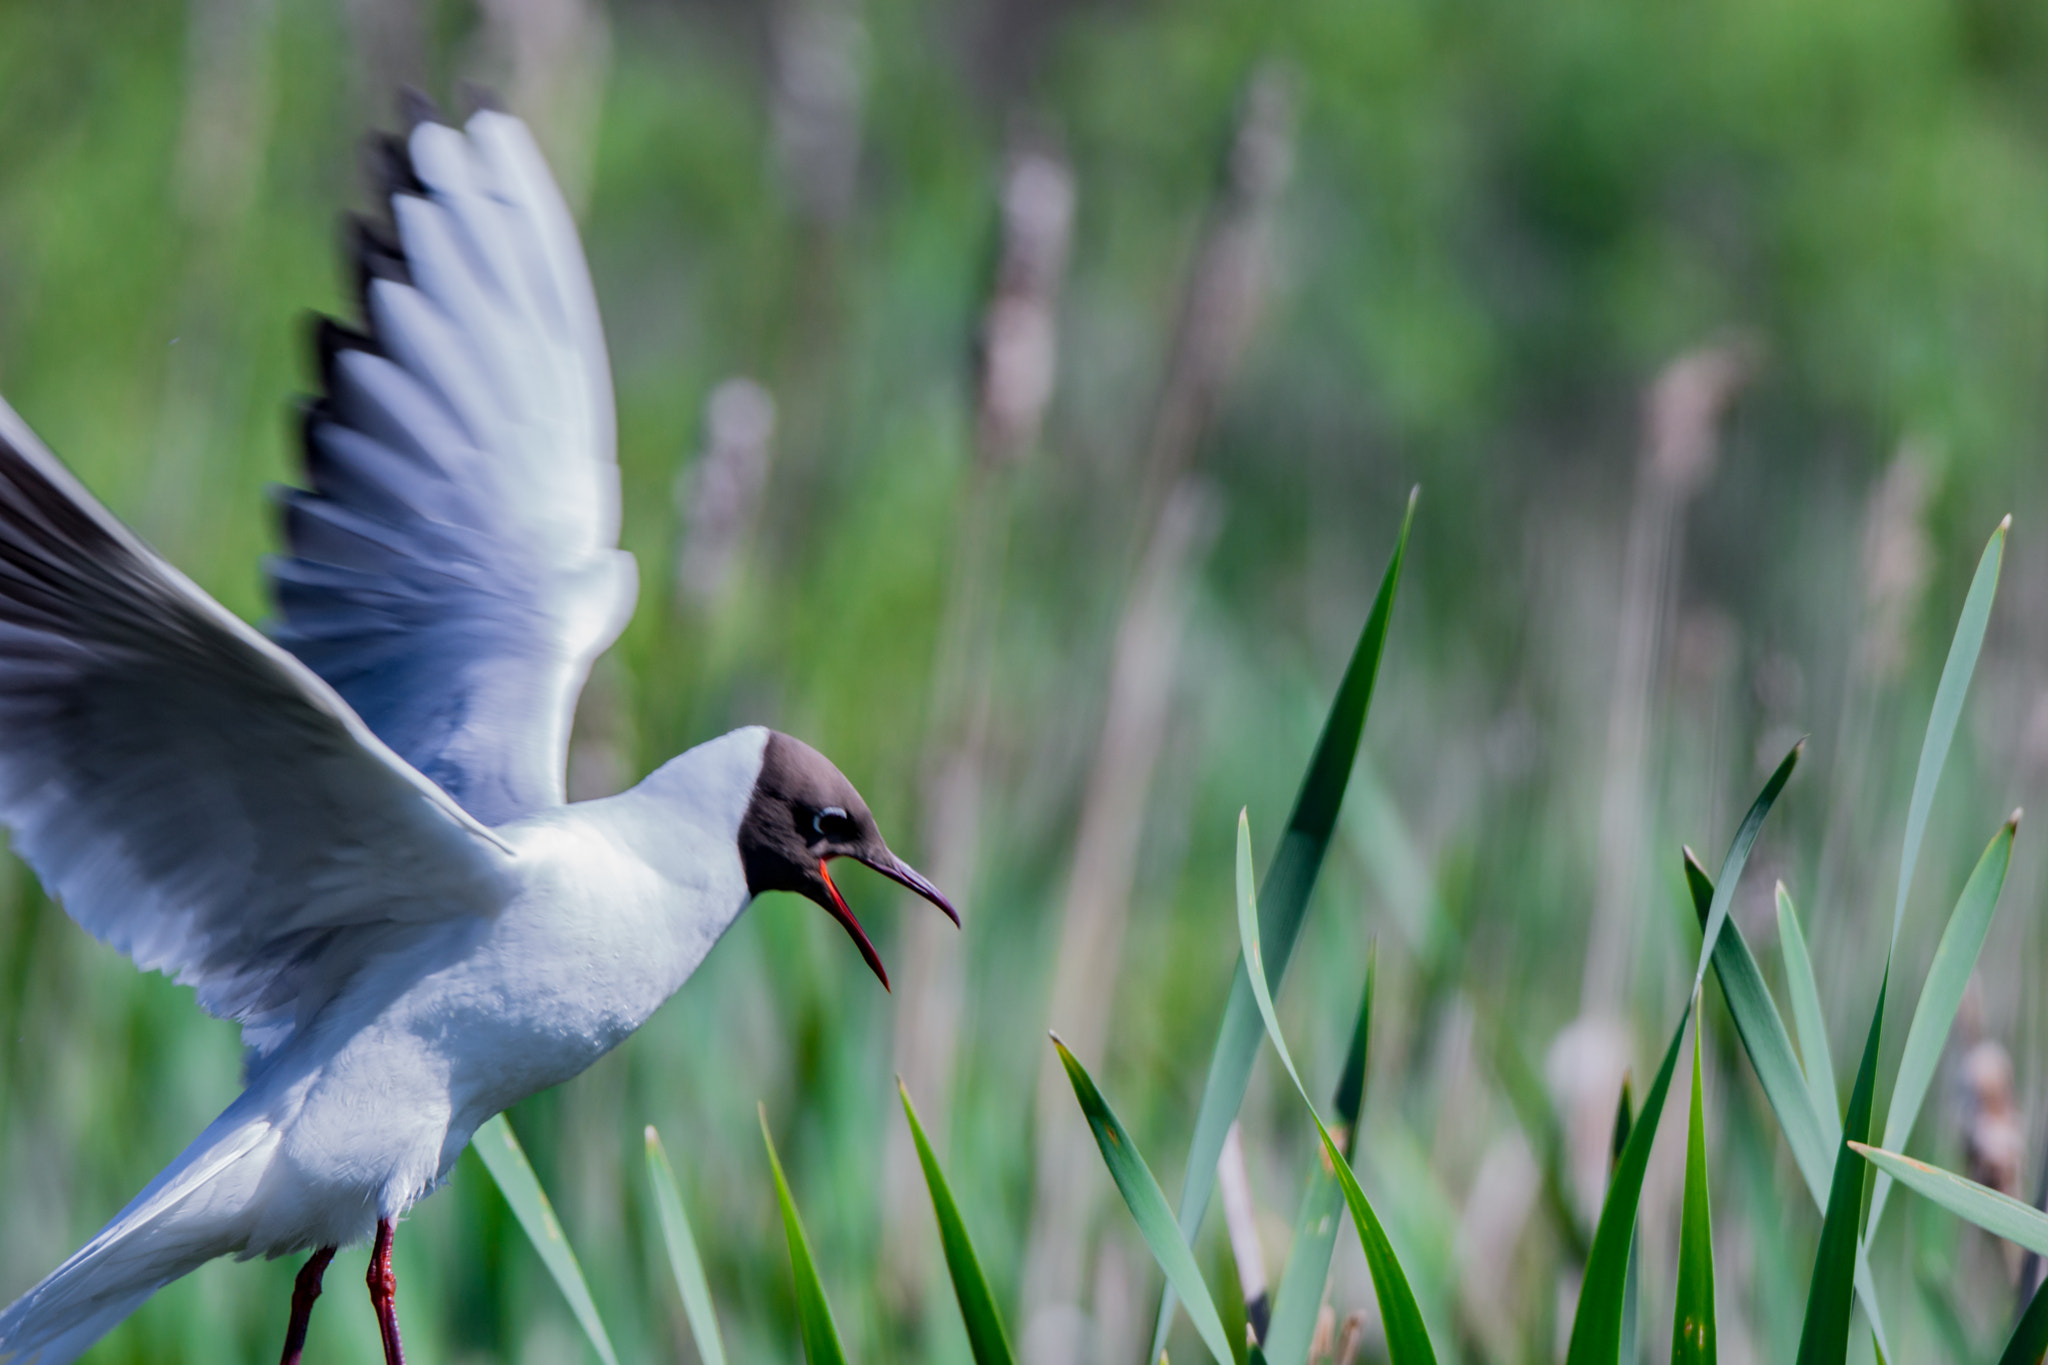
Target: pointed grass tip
x: 2012, y: 822
x: 1866, y: 1151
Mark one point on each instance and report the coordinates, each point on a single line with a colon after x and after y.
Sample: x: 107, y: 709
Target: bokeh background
x: 1019, y: 400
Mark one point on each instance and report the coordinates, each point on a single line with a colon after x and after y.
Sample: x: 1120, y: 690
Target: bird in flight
x: 351, y: 835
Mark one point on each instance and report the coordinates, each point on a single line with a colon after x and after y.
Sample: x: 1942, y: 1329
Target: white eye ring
x: 818, y: 820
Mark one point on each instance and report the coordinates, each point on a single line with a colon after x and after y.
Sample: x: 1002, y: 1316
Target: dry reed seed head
x: 718, y: 496
x: 1994, y: 1143
x: 1682, y: 416
x: 1018, y: 351
x: 1262, y: 156
x: 1324, y: 1341
x: 1038, y: 219
x: 1352, y: 1342
x: 821, y: 62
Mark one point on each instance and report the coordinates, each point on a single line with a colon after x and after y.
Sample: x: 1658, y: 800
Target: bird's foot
x: 384, y: 1293
x: 304, y: 1291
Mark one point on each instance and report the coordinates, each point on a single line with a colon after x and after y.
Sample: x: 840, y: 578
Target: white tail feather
x: 187, y: 1216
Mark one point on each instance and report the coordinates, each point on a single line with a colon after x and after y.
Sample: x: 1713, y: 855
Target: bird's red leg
x: 383, y: 1290
x: 304, y: 1292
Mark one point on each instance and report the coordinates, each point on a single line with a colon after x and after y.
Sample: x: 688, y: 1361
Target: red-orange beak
x: 898, y: 871
x: 860, y: 935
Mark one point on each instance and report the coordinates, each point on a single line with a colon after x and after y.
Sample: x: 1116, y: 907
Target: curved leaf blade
x: 1407, y: 1335
x: 1956, y: 672
x: 2030, y: 1337
x: 1292, y: 1330
x: 1955, y: 958
x: 1147, y: 1203
x: 1824, y: 1339
x: 813, y: 1312
x: 1693, y: 1336
x: 1596, y: 1327
x: 2001, y: 1215
x: 683, y: 1258
x: 1812, y: 1132
x: 1293, y: 877
x: 1738, y: 857
x: 506, y: 1161
x: 1804, y: 991
x: 985, y: 1336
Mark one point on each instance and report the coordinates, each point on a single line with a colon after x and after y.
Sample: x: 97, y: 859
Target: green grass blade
x: 813, y: 1311
x: 513, y: 1173
x: 1942, y: 995
x: 985, y: 1336
x: 1300, y: 1298
x: 1350, y: 1098
x: 1407, y: 1335
x: 1738, y: 855
x: 1810, y: 1131
x: 1293, y: 877
x: 1693, y: 1332
x: 2030, y: 1337
x: 2001, y: 1215
x: 1148, y: 1207
x: 1824, y: 1339
x: 1631, y: 1291
x: 682, y: 1253
x: 1597, y: 1326
x: 1948, y: 709
x: 1806, y: 1009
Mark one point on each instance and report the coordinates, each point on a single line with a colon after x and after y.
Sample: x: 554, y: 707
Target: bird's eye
x: 833, y: 823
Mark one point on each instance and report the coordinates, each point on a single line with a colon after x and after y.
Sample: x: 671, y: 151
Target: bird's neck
x: 683, y: 822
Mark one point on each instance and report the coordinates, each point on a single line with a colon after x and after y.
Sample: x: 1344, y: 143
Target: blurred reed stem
x: 1017, y: 362
x: 1175, y: 523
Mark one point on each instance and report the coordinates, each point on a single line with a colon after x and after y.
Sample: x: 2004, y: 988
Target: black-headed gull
x: 352, y: 836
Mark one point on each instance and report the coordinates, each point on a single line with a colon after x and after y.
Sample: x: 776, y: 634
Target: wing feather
x: 453, y: 569
x: 193, y: 794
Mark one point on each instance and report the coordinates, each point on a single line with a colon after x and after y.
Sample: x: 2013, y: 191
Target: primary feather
x: 191, y: 793
x: 453, y: 570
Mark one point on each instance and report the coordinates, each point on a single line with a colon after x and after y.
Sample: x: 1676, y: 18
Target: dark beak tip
x: 903, y: 874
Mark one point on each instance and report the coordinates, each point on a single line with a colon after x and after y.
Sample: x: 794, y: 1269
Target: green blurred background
x: 1019, y: 401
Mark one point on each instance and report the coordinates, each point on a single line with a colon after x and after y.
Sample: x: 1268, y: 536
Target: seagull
x: 350, y: 834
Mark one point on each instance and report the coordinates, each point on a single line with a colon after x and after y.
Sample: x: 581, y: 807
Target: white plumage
x: 350, y: 836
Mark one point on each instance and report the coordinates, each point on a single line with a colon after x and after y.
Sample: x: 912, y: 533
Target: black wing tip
x: 388, y: 159
x: 378, y: 255
x: 331, y: 337
x: 416, y: 106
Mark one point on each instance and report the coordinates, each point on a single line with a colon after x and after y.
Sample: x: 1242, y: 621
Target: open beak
x: 860, y: 935
x: 898, y: 871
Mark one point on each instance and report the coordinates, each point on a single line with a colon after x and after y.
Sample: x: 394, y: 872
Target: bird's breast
x: 593, y: 945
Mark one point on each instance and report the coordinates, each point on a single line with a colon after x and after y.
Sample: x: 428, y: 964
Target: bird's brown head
x: 803, y: 814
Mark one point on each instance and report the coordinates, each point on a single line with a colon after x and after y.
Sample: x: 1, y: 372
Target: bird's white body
x: 610, y: 907
x: 616, y: 903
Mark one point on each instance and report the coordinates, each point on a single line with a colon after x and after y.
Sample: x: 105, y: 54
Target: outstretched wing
x: 194, y: 795
x: 453, y: 569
